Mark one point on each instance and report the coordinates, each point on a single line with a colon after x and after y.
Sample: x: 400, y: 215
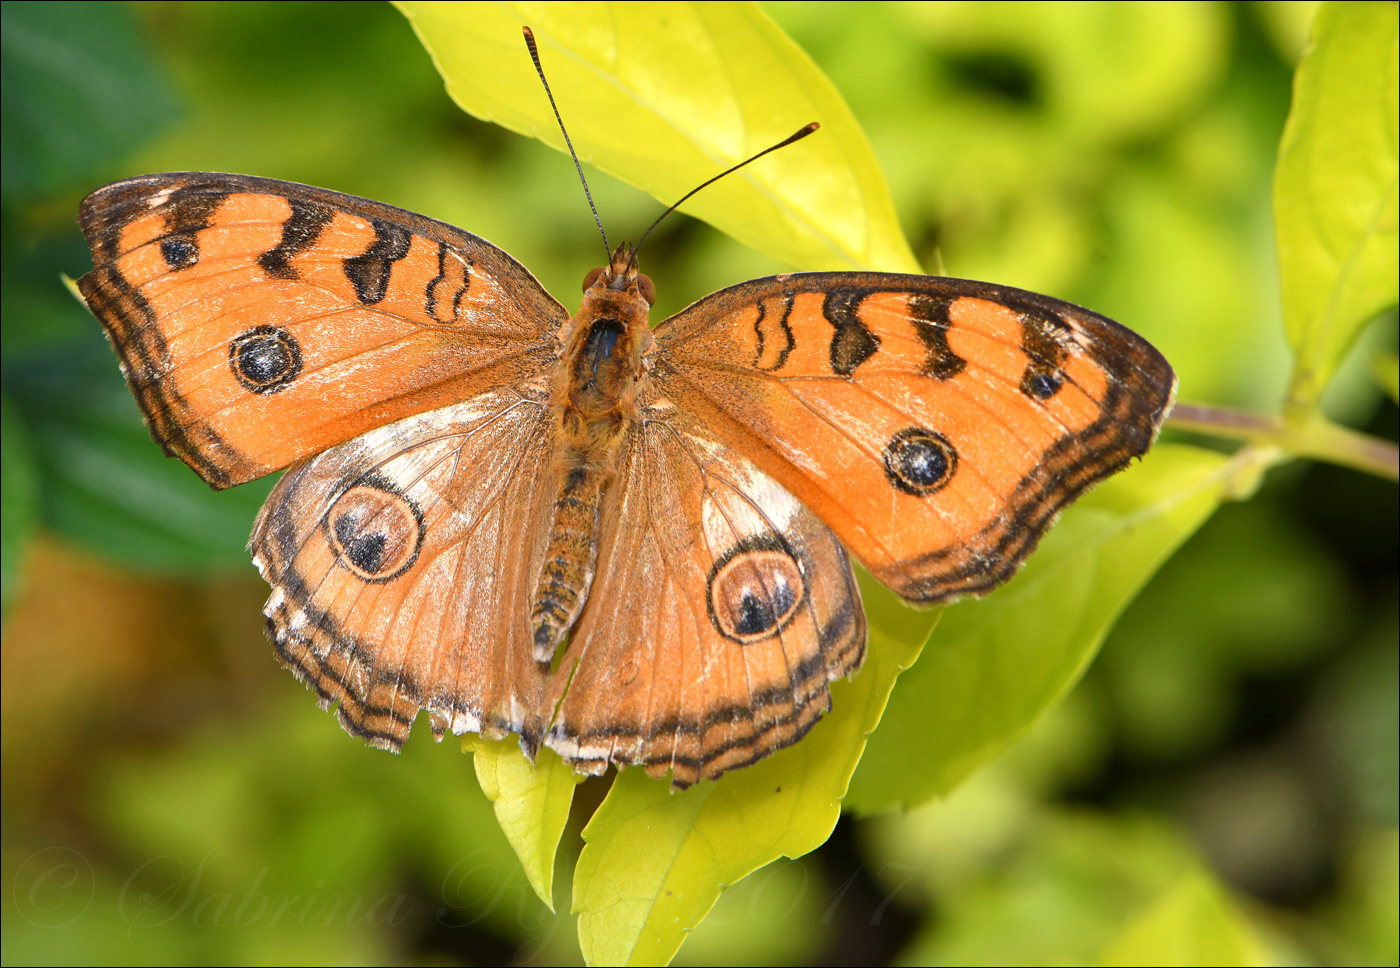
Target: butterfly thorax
x: 594, y: 408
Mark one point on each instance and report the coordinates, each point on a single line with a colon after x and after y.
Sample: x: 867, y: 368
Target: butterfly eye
x: 647, y: 288
x: 754, y: 594
x: 375, y: 533
x: 591, y: 278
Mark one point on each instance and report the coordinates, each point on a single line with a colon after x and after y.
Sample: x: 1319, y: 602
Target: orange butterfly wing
x: 721, y: 609
x: 259, y: 321
x: 401, y: 564
x: 936, y: 425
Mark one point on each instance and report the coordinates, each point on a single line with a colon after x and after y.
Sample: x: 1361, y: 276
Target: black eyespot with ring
x: 265, y: 359
x: 919, y: 461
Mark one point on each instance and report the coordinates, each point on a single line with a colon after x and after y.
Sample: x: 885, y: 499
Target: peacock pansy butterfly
x: 476, y: 480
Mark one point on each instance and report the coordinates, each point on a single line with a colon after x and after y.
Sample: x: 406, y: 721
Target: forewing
x: 401, y: 566
x: 260, y: 321
x: 937, y: 425
x: 721, y: 609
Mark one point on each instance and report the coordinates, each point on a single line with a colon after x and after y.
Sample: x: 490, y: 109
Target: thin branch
x: 1314, y: 437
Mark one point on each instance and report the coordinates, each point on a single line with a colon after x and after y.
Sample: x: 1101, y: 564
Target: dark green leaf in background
x: 18, y: 497
x: 80, y: 90
x: 1251, y: 594
x: 108, y: 486
x: 1085, y: 888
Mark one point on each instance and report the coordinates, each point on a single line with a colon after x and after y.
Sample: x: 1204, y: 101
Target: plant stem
x: 1313, y: 436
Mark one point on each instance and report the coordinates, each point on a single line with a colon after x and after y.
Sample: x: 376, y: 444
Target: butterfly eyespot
x: 919, y: 461
x: 592, y: 277
x: 179, y: 252
x: 754, y: 593
x: 265, y: 359
x: 1041, y: 384
x: 1042, y: 339
x: 375, y: 533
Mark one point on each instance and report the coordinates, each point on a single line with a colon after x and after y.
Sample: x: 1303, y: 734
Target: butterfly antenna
x: 535, y: 56
x: 798, y: 136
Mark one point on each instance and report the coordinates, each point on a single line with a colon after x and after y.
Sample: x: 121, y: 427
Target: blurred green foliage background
x: 170, y: 796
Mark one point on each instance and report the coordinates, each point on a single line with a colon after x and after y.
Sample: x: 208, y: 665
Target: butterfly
x: 631, y: 545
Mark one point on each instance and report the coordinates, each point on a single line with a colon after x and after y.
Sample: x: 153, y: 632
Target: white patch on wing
x: 570, y: 750
x: 778, y: 504
x: 421, y: 447
x: 754, y: 504
x: 464, y: 722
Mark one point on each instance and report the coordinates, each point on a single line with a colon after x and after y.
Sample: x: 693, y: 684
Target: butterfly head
x: 621, y: 276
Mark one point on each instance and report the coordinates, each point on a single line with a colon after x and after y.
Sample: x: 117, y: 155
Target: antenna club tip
x: 529, y: 34
x: 797, y: 135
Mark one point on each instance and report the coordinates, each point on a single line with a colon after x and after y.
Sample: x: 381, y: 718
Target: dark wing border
x: 1141, y: 391
x: 134, y: 332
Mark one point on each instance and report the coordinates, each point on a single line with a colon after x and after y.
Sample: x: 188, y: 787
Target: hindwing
x: 401, y: 565
x: 721, y: 609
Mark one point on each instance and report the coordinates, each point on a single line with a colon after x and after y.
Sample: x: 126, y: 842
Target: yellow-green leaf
x: 1335, y: 189
x: 666, y: 95
x: 1193, y: 923
x: 531, y: 802
x: 997, y: 663
x: 654, y: 862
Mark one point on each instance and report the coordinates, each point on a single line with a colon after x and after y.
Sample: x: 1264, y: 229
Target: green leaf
x: 1251, y: 594
x: 531, y: 802
x: 1362, y: 916
x: 1385, y: 368
x: 775, y: 916
x: 1335, y: 188
x: 1058, y: 893
x: 102, y: 482
x: 1193, y: 923
x: 654, y: 862
x: 106, y: 485
x: 999, y: 662
x: 1169, y: 248
x: 39, y: 317
x: 1106, y: 71
x: 18, y: 498
x: 80, y: 91
x: 666, y: 95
